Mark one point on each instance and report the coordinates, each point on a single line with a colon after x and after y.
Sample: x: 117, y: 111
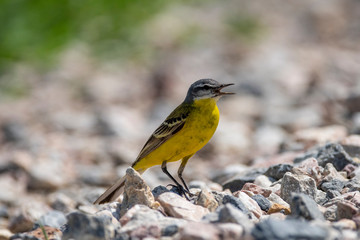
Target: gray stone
x: 277, y: 171
x: 330, y: 194
x: 292, y: 229
x: 263, y: 202
x: 353, y: 185
x: 82, y: 226
x: 293, y: 183
x: 236, y: 183
x: 159, y: 190
x: 169, y: 231
x: 53, y: 219
x: 230, y: 214
x: 334, y: 184
x: 302, y: 206
x: 330, y: 153
x: 236, y: 202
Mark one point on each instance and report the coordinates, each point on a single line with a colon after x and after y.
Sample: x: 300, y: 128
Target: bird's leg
x: 180, y: 172
x: 178, y: 185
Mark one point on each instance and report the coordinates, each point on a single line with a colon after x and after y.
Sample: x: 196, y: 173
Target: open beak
x: 223, y: 86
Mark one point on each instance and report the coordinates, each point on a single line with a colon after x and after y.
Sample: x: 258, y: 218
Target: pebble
x: 82, y: 226
x: 199, y: 231
x: 292, y: 183
x: 263, y: 202
x: 277, y: 199
x: 334, y: 184
x: 231, y: 231
x: 236, y: 202
x: 335, y: 154
x: 249, y: 203
x: 136, y: 192
x: 176, y: 206
x: 276, y: 208
x: 272, y: 229
x: 346, y: 209
x: 255, y: 189
x: 344, y: 224
x: 302, y: 206
x: 277, y: 171
x: 230, y: 214
x: 330, y: 173
x: 207, y: 200
x: 262, y: 181
x: 53, y: 218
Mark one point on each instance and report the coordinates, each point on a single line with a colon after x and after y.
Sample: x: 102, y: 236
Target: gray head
x: 206, y: 88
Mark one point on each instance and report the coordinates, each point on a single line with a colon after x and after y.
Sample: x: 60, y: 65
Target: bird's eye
x: 206, y: 87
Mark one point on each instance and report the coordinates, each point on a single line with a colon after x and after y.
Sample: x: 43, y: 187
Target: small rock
x: 311, y: 168
x: 333, y: 184
x: 21, y: 222
x: 272, y: 229
x: 169, y: 231
x: 330, y: 213
x: 321, y: 197
x: 82, y: 226
x: 136, y: 192
x: 5, y: 234
x: 262, y: 181
x: 178, y: 207
x: 159, y: 190
x: 344, y: 224
x: 135, y: 219
x: 253, y: 188
x: 199, y: 231
x: 277, y: 171
x: 237, y: 183
x: 275, y: 208
x: 276, y: 199
x: 352, y: 185
x: 331, y: 173
x: 346, y: 209
x: 330, y: 194
x: 349, y: 169
x: 236, y: 202
x: 249, y: 203
x: 335, y: 154
x: 304, y: 206
x: 263, y: 202
x: 292, y: 183
x: 151, y: 231
x: 207, y: 200
x: 229, y: 214
x: 230, y: 231
x: 53, y: 219
x: 61, y: 202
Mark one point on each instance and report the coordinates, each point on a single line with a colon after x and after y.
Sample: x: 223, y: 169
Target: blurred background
x: 83, y: 84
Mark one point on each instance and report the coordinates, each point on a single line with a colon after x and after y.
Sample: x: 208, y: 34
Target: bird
x: 185, y: 131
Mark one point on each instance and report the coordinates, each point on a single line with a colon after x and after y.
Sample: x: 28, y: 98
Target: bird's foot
x: 182, y: 191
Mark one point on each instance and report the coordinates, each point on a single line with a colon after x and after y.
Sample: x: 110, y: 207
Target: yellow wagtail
x: 184, y: 132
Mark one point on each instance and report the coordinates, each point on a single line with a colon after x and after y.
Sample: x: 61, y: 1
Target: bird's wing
x: 172, y: 124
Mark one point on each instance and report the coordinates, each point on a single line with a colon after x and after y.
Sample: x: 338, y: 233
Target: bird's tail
x: 113, y: 192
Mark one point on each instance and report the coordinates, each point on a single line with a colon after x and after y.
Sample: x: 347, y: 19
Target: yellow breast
x: 199, y: 127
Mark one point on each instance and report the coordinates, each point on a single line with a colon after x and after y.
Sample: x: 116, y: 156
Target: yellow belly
x: 199, y: 127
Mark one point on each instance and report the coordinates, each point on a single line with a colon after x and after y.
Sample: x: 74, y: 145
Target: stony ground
x: 283, y: 163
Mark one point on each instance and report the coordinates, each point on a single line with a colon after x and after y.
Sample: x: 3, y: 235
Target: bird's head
x: 206, y: 88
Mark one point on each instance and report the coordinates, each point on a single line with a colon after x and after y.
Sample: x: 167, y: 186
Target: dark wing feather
x: 172, y: 124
